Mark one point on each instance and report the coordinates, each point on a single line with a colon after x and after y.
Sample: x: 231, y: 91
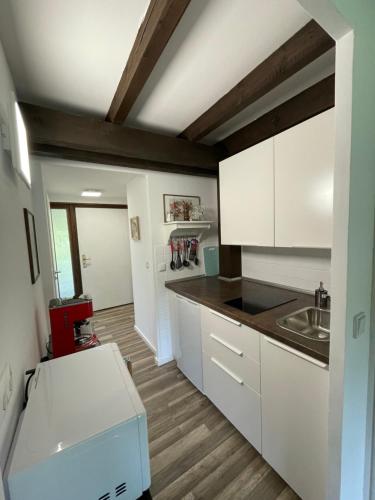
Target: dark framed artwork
x: 32, y: 246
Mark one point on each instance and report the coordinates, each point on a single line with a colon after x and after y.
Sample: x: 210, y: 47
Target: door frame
x: 73, y: 235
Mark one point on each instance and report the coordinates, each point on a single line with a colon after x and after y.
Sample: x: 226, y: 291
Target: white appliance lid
x: 72, y: 399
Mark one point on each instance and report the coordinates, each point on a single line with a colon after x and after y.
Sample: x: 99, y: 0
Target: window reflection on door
x: 62, y: 251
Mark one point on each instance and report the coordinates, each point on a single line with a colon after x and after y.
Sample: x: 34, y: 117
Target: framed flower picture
x: 179, y: 207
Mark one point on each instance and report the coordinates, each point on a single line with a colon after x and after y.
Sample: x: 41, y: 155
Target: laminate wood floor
x: 195, y: 452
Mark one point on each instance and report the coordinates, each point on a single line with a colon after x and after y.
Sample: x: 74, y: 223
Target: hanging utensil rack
x: 186, y: 229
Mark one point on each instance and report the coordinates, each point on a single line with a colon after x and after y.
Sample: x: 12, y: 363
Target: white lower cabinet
x: 188, y: 324
x: 295, y: 417
x: 275, y: 396
x: 231, y: 372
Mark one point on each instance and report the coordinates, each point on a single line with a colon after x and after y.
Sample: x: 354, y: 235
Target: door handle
x: 226, y: 344
x: 230, y: 320
x: 299, y: 354
x: 227, y: 371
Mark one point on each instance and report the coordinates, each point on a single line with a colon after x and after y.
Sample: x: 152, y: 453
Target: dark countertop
x: 212, y: 292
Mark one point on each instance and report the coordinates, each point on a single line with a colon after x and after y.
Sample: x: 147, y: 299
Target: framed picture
x: 32, y: 246
x: 134, y: 228
x: 178, y: 207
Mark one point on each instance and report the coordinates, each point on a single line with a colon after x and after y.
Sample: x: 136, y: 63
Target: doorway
x: 92, y: 252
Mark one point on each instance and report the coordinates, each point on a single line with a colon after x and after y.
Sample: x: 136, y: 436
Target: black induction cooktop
x: 262, y: 301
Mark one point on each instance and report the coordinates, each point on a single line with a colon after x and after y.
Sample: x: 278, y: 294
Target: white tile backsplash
x: 294, y: 267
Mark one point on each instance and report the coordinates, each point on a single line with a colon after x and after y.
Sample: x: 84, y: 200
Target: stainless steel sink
x: 310, y: 322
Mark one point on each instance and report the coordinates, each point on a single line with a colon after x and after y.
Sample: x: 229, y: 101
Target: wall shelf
x: 192, y: 229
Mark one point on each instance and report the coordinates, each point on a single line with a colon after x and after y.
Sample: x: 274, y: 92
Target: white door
x: 247, y: 197
x: 295, y: 391
x: 103, y: 238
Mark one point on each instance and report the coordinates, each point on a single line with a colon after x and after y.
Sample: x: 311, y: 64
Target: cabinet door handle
x: 225, y: 344
x: 187, y: 300
x: 192, y: 302
x: 227, y: 371
x: 299, y: 354
x: 230, y: 320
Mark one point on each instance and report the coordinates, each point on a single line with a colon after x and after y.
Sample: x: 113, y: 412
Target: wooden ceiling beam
x: 310, y: 102
x: 301, y: 49
x: 59, y: 134
x: 157, y: 27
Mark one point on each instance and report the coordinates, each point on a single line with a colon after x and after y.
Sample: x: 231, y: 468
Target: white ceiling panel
x: 216, y: 44
x: 69, y: 53
x: 65, y: 183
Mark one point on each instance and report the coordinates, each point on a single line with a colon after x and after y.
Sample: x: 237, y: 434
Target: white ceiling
x: 65, y: 183
x: 70, y: 54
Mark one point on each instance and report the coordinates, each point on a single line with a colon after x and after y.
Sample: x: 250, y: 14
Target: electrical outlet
x: 162, y: 267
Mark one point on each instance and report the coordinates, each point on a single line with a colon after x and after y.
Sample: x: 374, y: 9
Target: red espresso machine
x: 70, y: 329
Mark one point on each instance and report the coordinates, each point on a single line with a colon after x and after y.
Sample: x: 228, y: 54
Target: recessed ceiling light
x: 95, y: 193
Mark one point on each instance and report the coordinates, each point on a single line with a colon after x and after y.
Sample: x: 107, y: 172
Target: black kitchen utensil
x: 172, y: 264
x: 185, y: 262
x: 178, y: 260
x: 195, y: 249
x: 191, y: 251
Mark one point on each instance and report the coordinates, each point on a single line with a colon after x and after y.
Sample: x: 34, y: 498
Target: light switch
x: 359, y: 324
x: 162, y: 267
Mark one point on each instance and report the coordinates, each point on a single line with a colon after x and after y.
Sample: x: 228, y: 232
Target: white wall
x: 41, y: 212
x: 142, y: 261
x: 297, y: 268
x: 23, y: 327
x: 160, y: 184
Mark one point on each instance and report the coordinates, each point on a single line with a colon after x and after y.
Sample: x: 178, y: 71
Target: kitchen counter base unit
x: 213, y: 293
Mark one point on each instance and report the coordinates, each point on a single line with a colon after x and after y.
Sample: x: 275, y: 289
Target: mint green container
x: 211, y: 260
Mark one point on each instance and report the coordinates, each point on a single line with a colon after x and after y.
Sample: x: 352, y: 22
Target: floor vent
x: 120, y: 489
x: 107, y: 496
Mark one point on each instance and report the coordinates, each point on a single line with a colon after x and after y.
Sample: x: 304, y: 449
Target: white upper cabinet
x: 280, y: 192
x: 304, y: 162
x: 247, y: 197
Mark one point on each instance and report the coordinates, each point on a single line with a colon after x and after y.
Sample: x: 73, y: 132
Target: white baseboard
x: 138, y: 330
x: 163, y: 361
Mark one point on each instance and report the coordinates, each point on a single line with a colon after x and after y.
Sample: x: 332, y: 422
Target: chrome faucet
x: 322, y: 299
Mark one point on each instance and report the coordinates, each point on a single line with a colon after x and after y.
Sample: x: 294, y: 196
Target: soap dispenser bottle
x: 321, y: 295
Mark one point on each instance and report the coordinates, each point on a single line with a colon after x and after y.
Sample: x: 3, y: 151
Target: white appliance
x: 83, y: 435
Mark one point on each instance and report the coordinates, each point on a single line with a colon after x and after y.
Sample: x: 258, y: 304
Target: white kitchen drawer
x: 240, y: 404
x: 243, y: 338
x: 246, y: 368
